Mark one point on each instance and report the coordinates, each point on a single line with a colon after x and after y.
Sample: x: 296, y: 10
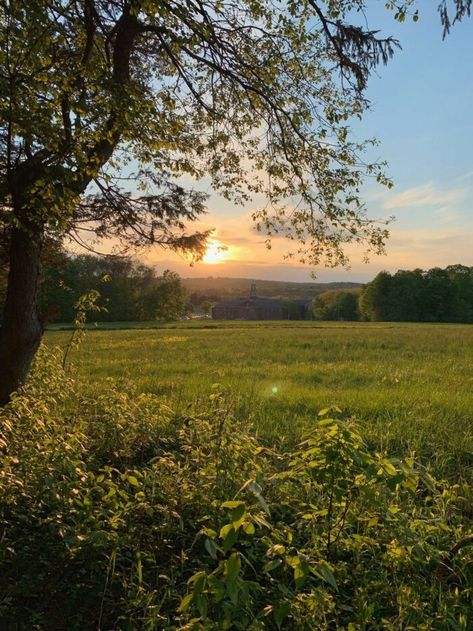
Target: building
x: 255, y: 308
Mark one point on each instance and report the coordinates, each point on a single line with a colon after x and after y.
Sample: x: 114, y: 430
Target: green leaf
x: 202, y: 605
x: 211, y: 548
x: 249, y: 528
x: 229, y: 536
x: 197, y: 581
x: 232, y: 504
x: 185, y: 603
x: 132, y: 480
x: 281, y: 612
x: 232, y: 566
x: 238, y: 513
x: 277, y: 548
x: 389, y: 468
x: 255, y: 488
x: 262, y: 502
x: 272, y: 565
x: 232, y: 591
x: 324, y: 571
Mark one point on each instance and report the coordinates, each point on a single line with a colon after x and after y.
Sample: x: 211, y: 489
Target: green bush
x: 116, y: 513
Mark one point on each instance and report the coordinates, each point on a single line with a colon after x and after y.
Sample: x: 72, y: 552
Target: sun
x: 216, y: 252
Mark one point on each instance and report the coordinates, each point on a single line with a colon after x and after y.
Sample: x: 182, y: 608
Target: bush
x: 118, y: 514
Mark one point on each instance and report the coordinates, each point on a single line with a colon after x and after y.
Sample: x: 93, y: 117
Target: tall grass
x: 411, y: 384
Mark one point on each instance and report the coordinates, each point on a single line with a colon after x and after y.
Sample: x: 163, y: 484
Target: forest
x: 434, y: 295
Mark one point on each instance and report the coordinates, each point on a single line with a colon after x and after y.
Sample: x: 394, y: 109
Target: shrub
x: 118, y: 514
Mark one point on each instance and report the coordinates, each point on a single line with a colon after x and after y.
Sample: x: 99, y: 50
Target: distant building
x: 255, y: 308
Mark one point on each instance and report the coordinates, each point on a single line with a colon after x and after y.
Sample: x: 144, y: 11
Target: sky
x: 421, y: 112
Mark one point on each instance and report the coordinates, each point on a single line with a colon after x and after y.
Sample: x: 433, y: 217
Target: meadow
x: 409, y: 385
x: 202, y: 476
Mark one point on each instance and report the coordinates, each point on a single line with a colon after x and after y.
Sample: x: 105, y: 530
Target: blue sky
x: 421, y: 102
x: 422, y: 114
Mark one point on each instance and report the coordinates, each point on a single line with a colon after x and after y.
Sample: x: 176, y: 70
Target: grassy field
x: 131, y: 499
x: 410, y: 385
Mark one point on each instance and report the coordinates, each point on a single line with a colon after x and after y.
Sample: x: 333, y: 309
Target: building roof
x: 252, y: 301
x: 303, y: 302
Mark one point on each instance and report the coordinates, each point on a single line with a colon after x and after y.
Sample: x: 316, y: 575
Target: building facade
x: 255, y: 308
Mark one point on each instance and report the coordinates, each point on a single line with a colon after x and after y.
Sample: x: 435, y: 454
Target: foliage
x: 118, y: 513
x: 169, y: 299
x: 85, y: 305
x: 254, y: 95
x: 336, y: 305
x: 435, y: 295
x: 129, y: 290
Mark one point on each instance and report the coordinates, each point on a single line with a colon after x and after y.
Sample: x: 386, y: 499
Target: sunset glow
x: 216, y: 252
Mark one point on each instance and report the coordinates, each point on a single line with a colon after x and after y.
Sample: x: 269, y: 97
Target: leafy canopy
x: 255, y: 95
x: 241, y: 92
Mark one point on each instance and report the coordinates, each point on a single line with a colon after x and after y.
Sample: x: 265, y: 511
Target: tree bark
x: 22, y: 329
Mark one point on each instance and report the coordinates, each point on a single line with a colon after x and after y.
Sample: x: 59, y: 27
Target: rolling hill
x: 217, y: 287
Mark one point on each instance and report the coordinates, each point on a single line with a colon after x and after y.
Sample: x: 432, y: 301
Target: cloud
x: 424, y: 248
x: 425, y: 195
x: 406, y: 249
x: 225, y: 235
x: 466, y: 176
x: 438, y: 234
x: 450, y: 215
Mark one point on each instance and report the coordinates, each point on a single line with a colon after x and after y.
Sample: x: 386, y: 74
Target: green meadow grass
x: 409, y: 384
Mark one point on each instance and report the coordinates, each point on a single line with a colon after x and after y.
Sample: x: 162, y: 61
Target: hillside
x: 229, y: 287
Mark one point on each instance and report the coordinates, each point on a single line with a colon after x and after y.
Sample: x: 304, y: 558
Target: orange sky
x: 430, y: 230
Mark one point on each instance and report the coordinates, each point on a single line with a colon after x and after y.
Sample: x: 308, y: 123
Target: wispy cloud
x: 466, y: 176
x: 425, y: 195
x: 438, y: 234
x: 424, y: 248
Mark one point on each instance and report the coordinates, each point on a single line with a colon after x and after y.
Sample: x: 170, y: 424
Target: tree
x: 434, y: 295
x: 168, y: 301
x: 125, y: 286
x: 207, y: 307
x: 254, y: 94
x: 462, y: 300
x: 398, y: 297
x: 336, y: 305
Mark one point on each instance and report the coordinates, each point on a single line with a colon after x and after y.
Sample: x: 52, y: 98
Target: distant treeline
x: 434, y: 295
x: 129, y: 291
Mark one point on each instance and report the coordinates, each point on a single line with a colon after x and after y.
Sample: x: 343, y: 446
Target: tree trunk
x: 22, y: 329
